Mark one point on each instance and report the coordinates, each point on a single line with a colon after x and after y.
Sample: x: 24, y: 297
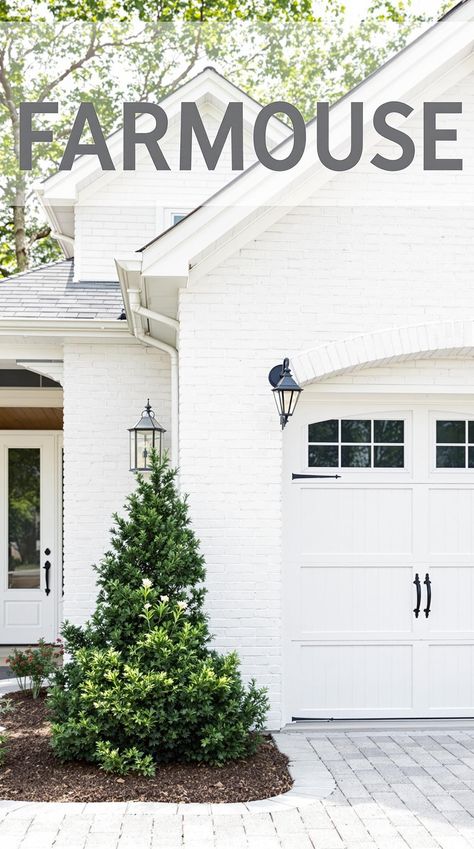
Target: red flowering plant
x: 35, y: 665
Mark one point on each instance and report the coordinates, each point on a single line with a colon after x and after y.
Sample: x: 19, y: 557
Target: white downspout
x: 137, y: 310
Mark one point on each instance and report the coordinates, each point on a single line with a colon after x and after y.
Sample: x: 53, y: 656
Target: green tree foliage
x: 291, y: 49
x: 143, y: 685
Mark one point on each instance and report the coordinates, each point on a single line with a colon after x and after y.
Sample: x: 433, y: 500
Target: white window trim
x: 361, y: 471
x: 440, y: 415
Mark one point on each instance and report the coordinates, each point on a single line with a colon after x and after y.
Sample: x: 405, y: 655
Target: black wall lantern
x: 146, y: 435
x: 285, y: 390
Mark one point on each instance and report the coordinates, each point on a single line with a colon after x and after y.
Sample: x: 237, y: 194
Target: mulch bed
x: 32, y: 773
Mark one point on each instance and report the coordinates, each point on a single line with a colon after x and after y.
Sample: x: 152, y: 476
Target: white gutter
x: 68, y: 327
x: 62, y: 237
x: 154, y: 316
x: 138, y: 311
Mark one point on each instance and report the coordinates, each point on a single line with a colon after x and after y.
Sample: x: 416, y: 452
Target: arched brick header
x: 444, y: 338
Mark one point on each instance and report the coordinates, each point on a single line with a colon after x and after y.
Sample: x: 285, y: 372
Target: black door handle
x: 47, y: 567
x: 418, y: 595
x: 427, y: 584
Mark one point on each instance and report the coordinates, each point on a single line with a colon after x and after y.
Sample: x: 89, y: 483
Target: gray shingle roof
x: 49, y: 291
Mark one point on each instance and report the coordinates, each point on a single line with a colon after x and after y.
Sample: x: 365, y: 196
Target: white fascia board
x: 66, y: 245
x: 207, y: 84
x: 128, y: 271
x: 64, y: 328
x: 267, y: 195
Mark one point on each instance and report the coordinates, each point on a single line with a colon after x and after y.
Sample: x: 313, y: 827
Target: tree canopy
x: 116, y: 50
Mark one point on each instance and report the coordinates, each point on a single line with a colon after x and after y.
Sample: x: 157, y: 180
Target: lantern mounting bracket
x: 275, y: 374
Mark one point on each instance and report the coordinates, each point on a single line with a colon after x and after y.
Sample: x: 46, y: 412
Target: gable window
x: 454, y: 444
x: 357, y: 443
x: 176, y: 217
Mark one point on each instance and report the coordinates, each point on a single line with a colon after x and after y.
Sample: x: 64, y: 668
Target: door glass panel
x: 450, y: 457
x: 327, y: 431
x: 355, y: 456
x: 470, y: 426
x: 388, y: 457
x: 23, y: 518
x: 322, y: 455
x: 355, y: 430
x: 388, y: 430
x: 450, y: 431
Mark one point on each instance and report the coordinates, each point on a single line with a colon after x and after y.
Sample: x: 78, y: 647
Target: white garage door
x: 379, y: 575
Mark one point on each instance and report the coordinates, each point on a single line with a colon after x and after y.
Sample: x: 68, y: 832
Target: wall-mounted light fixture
x: 285, y: 390
x: 144, y: 437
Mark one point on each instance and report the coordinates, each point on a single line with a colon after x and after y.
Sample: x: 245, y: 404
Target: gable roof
x: 258, y: 197
x: 58, y: 193
x: 48, y: 292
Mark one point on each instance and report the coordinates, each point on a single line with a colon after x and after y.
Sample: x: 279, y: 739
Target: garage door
x: 379, y: 577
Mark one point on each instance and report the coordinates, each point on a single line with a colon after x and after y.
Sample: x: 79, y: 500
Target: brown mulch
x: 32, y: 773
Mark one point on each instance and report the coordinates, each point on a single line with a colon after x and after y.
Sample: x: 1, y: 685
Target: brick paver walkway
x: 394, y: 790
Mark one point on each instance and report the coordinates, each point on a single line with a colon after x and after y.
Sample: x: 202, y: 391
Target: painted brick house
x: 364, y: 279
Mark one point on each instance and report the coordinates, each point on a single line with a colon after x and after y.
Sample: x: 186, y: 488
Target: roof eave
x: 70, y: 327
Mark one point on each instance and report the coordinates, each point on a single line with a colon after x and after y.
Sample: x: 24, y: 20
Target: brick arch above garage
x: 397, y: 344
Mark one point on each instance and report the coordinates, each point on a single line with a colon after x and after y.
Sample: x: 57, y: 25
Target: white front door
x: 30, y: 544
x: 396, y: 527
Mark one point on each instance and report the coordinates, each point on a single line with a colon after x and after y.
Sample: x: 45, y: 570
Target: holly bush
x: 143, y: 685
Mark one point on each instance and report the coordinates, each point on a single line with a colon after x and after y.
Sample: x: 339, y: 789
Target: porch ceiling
x: 31, y: 418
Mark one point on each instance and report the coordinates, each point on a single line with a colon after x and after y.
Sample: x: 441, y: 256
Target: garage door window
x: 357, y: 443
x: 454, y: 444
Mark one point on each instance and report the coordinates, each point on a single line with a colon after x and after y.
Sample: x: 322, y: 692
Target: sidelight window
x: 24, y: 468
x: 357, y: 443
x: 454, y: 444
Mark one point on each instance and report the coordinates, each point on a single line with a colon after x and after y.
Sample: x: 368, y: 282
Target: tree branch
x: 74, y: 66
x: 42, y: 233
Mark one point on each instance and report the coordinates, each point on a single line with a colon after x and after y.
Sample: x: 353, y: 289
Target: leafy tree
x: 69, y: 62
x: 272, y: 50
x: 143, y: 686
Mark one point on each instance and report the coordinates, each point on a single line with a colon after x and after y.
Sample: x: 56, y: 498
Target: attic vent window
x: 176, y: 217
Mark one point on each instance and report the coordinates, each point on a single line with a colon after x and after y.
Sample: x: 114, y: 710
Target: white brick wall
x: 340, y: 266
x: 105, y: 389
x: 324, y: 272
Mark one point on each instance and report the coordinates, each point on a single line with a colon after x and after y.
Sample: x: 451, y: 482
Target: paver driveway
x: 393, y: 790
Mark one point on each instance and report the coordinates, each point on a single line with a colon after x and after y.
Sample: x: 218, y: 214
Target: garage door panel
x: 353, y: 546
x: 354, y: 678
x: 354, y: 600
x: 451, y: 521
x: 355, y: 520
x: 451, y: 678
x: 452, y: 604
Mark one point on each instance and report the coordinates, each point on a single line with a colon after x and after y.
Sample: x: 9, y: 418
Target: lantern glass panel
x: 145, y: 444
x: 278, y: 401
x: 287, y: 397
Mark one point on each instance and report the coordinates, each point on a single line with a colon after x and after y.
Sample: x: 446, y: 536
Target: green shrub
x: 143, y: 685
x: 6, y: 706
x: 3, y: 747
x: 34, y: 666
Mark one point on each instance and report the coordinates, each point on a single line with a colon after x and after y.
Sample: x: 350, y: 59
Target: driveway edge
x: 311, y: 781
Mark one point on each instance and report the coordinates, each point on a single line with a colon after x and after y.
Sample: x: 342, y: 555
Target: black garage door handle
x: 418, y: 595
x: 427, y: 584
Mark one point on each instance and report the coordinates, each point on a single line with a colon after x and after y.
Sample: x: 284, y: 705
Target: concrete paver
x: 393, y: 790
